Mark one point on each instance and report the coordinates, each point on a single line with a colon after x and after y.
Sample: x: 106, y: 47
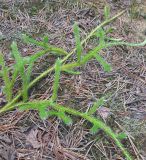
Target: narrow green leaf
x: 126, y: 44
x: 103, y: 63
x: 43, y: 113
x: 18, y: 59
x: 106, y: 12
x: 121, y: 136
x: 30, y: 40
x: 79, y: 47
x: 52, y: 113
x: 14, y: 76
x: 29, y: 71
x: 66, y: 119
x: 46, y: 39
x: 17, y: 56
x: 70, y: 66
x: 72, y: 72
x: 21, y: 68
x: 56, y: 79
x: 102, y: 36
x: 94, y: 129
x: 96, y: 105
x: 43, y: 44
x: 113, y: 39
x: 32, y: 105
x: 110, y: 30
x: 91, y: 54
x: 6, y: 79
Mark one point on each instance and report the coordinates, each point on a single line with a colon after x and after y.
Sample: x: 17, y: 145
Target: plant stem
x: 45, y: 73
x: 86, y: 116
x: 99, y: 123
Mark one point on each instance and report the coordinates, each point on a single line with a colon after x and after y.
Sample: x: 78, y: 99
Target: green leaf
x: 43, y: 113
x: 43, y: 44
x: 27, y: 106
x: 121, y: 136
x: 46, y: 39
x: 72, y: 72
x: 107, y: 12
x: 26, y: 60
x: 126, y: 44
x: 100, y: 33
x: 21, y: 68
x: 103, y: 63
x: 94, y: 129
x: 56, y: 79
x: 66, y: 119
x: 29, y: 71
x: 33, y: 105
x: 18, y: 58
x: 30, y: 40
x: 14, y: 75
x: 113, y: 39
x: 79, y: 47
x: 110, y: 30
x: 91, y: 54
x: 52, y: 113
x: 6, y: 79
x: 96, y: 105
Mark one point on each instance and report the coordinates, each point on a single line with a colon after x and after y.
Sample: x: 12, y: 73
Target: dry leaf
x: 104, y: 112
x: 32, y: 138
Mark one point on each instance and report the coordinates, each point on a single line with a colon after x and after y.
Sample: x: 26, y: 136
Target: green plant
x: 46, y: 108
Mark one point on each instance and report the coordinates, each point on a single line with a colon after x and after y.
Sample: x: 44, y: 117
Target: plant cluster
x: 23, y: 68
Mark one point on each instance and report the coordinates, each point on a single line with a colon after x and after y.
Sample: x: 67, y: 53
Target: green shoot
x: 79, y: 47
x: 45, y: 39
x: 56, y: 80
x: 96, y: 105
x: 106, y: 12
x: 94, y: 129
x: 72, y: 72
x: 7, y: 81
x: 121, y: 136
x: 66, y: 119
x: 59, y: 111
x: 21, y: 68
x: 44, y: 45
x: 104, y: 64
